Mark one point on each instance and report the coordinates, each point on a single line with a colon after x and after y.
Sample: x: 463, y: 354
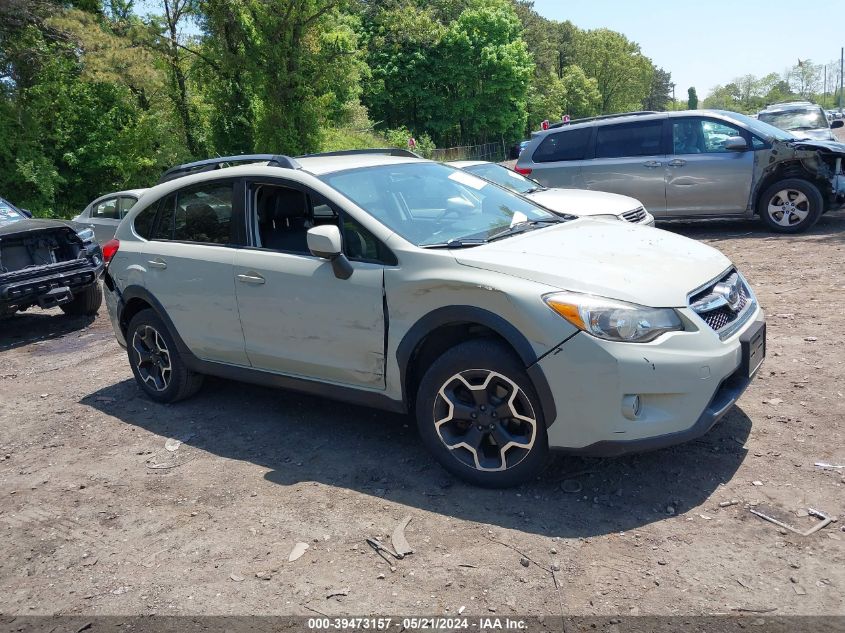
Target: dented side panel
x: 303, y: 321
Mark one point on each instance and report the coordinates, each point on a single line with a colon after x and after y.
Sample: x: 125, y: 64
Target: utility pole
x: 841, y: 75
x: 824, y: 92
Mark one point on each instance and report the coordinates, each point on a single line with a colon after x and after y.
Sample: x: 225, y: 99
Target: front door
x: 702, y: 177
x: 298, y: 318
x: 629, y: 160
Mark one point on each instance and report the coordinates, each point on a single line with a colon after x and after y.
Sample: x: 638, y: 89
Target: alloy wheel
x: 789, y: 207
x: 152, y: 357
x: 485, y: 419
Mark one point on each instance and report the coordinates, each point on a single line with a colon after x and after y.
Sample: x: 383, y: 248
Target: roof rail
x: 210, y: 164
x: 389, y: 151
x: 604, y: 116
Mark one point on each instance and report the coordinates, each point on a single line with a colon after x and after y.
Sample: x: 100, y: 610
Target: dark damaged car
x: 694, y: 164
x: 47, y: 263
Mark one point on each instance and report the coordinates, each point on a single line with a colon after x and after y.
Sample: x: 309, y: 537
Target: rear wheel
x: 85, y: 303
x: 478, y: 413
x: 155, y: 361
x: 791, y: 205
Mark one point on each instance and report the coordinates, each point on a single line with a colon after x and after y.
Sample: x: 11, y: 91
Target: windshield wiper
x: 521, y: 227
x: 457, y: 243
x: 534, y: 189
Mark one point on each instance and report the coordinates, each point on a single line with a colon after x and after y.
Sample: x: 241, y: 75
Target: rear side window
x: 567, y: 145
x: 145, y: 221
x: 107, y: 209
x: 204, y: 214
x: 125, y: 204
x: 630, y: 139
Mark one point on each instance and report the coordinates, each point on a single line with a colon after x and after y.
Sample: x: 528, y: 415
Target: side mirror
x: 736, y: 144
x: 28, y: 213
x: 325, y: 242
x: 837, y: 123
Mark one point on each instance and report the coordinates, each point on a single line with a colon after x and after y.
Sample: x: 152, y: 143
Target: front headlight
x: 613, y: 320
x: 86, y: 235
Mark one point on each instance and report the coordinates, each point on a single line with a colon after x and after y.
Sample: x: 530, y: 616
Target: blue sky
x: 705, y: 44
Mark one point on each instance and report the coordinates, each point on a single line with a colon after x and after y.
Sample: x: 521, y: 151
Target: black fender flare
x: 455, y: 314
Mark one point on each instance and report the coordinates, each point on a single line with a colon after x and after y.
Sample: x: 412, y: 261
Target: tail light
x: 525, y: 171
x: 110, y: 250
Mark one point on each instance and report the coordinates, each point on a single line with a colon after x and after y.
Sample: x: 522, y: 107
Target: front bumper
x: 38, y: 284
x: 686, y: 382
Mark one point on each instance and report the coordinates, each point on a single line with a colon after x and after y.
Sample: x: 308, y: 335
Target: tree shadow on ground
x: 302, y: 438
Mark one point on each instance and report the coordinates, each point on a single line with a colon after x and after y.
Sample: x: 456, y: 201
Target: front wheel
x: 791, y: 205
x: 478, y: 413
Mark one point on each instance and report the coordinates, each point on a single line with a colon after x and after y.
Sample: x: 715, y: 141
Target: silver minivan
x: 694, y: 164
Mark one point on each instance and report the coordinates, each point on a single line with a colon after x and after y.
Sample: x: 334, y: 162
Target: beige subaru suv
x: 379, y: 278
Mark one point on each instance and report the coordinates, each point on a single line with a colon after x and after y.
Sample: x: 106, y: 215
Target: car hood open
x: 618, y: 260
x: 584, y: 202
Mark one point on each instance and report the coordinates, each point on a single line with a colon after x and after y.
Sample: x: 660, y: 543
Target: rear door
x: 629, y: 160
x: 702, y: 177
x: 298, y: 318
x: 188, y: 267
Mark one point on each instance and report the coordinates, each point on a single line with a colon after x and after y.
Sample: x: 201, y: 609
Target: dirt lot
x: 88, y: 526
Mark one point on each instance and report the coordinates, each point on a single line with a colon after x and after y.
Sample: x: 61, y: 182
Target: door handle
x: 652, y: 163
x: 251, y: 278
x: 677, y: 162
x: 157, y: 263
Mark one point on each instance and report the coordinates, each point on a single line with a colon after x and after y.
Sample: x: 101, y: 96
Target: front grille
x: 719, y: 307
x: 637, y: 215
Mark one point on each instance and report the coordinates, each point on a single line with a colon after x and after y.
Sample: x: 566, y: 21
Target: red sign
x: 566, y: 118
x: 544, y: 125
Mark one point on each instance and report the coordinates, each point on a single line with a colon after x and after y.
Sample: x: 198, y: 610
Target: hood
x: 29, y: 225
x: 821, y: 134
x: 824, y: 145
x: 584, y: 202
x: 618, y: 260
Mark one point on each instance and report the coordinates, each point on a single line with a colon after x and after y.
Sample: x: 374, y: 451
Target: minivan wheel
x: 791, y: 206
x: 478, y: 413
x: 155, y: 361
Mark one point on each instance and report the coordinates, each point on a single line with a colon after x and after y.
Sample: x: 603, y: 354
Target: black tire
x: 482, y: 362
x: 791, y: 205
x: 85, y: 303
x: 151, y: 349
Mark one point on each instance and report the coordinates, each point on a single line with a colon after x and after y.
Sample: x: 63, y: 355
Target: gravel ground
x: 98, y: 517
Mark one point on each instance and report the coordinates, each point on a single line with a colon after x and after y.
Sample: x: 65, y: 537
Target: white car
x: 105, y: 213
x: 578, y: 202
x: 380, y: 278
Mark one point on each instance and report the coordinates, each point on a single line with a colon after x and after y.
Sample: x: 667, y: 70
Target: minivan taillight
x: 525, y: 171
x: 110, y: 250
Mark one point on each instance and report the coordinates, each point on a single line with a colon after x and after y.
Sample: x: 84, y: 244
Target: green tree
x: 692, y: 98
x: 660, y: 91
x: 623, y: 74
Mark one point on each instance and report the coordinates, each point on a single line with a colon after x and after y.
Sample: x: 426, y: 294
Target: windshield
x: 9, y: 213
x: 432, y: 204
x: 809, y: 119
x: 758, y: 127
x: 504, y: 176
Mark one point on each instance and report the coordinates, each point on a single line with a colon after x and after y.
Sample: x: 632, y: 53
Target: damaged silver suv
x: 694, y: 164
